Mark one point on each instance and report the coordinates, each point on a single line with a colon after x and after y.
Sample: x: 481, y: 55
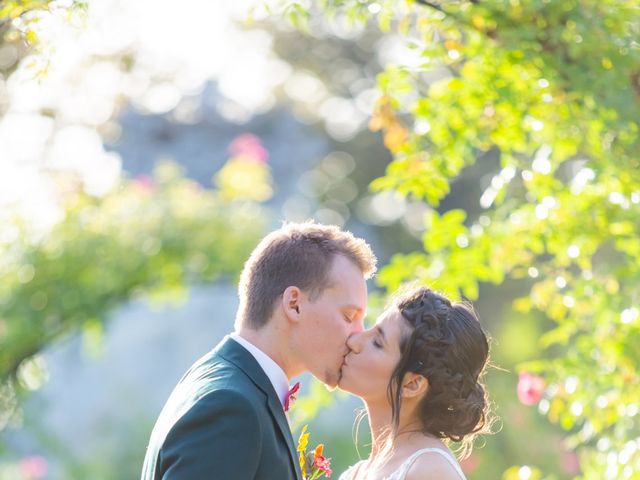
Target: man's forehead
x: 352, y: 294
x: 352, y: 281
x: 344, y: 270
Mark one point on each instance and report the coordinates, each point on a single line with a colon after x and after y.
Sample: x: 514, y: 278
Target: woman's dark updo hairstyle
x: 447, y: 345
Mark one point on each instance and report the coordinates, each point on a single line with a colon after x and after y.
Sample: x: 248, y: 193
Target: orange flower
x: 322, y: 463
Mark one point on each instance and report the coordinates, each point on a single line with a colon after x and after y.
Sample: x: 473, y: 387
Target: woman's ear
x: 291, y: 300
x: 414, y: 385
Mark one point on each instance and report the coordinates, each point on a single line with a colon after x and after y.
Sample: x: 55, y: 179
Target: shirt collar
x: 276, y: 375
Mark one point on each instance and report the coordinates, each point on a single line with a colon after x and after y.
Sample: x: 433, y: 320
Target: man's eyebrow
x: 381, y: 332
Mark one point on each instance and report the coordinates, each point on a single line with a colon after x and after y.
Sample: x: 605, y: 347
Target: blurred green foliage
x: 553, y: 90
x: 148, y: 238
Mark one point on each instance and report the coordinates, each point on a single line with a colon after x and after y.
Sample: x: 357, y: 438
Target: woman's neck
x: 381, y: 425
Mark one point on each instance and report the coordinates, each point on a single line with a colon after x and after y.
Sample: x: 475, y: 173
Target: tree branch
x: 435, y: 6
x: 489, y: 33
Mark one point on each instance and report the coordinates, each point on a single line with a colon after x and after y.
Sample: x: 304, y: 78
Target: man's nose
x: 357, y: 326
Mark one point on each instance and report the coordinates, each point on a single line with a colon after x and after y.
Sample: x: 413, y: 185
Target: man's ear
x: 414, y: 385
x: 291, y: 300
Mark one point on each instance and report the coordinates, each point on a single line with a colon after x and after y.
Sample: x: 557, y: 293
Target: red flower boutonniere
x: 313, y: 464
x: 291, y: 397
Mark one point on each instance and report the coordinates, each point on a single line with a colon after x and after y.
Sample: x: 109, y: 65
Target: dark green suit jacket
x: 222, y: 421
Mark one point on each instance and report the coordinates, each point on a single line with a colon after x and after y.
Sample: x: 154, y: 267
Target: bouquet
x: 313, y: 464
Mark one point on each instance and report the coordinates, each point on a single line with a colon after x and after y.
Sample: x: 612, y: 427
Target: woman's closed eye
x: 379, y: 338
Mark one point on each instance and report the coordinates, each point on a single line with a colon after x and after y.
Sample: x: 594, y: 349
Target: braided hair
x: 447, y: 345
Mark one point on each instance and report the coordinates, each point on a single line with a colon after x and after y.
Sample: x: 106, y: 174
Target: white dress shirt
x: 276, y: 375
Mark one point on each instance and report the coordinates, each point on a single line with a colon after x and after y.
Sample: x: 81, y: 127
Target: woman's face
x: 374, y: 354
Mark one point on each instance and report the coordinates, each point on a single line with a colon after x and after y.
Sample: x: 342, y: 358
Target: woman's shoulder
x: 434, y: 463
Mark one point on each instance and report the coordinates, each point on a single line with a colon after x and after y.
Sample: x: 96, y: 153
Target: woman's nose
x: 354, y: 342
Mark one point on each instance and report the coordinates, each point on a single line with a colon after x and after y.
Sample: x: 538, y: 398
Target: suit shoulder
x: 207, y: 393
x: 217, y: 375
x: 217, y: 415
x: 223, y: 401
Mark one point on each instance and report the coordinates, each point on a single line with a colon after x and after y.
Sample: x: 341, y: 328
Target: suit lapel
x: 235, y: 353
x: 278, y: 414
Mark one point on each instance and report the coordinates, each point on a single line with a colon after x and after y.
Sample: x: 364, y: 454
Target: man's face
x: 331, y: 318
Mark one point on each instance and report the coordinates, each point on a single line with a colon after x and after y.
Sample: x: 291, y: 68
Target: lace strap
x: 351, y: 471
x: 410, y: 461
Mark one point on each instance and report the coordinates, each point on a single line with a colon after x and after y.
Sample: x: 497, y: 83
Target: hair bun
x: 449, y: 345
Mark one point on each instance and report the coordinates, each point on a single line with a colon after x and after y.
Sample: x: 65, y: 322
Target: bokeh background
x: 488, y: 149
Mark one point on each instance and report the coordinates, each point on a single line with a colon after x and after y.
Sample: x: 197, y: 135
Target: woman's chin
x: 343, y: 383
x: 344, y: 387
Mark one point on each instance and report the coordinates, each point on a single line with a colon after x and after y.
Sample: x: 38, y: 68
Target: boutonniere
x: 313, y: 464
x: 291, y: 397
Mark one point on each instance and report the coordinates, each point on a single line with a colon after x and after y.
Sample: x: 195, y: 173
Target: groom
x: 302, y: 294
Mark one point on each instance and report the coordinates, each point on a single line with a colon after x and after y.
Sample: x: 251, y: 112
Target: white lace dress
x: 401, y: 472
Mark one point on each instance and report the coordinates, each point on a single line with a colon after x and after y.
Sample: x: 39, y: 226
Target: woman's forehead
x: 390, y: 320
x: 399, y: 321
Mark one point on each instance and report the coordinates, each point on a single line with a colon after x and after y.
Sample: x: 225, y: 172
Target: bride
x: 417, y: 371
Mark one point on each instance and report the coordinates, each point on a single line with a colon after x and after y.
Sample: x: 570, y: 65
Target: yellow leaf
x: 382, y: 114
x: 303, y: 441
x: 612, y: 286
x: 451, y: 45
x: 477, y: 21
x: 375, y: 123
x: 31, y: 37
x: 404, y: 25
x: 384, y: 118
x: 395, y: 136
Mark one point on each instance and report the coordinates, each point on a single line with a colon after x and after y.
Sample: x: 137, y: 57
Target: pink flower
x: 530, y: 388
x: 33, y: 468
x: 249, y: 146
x: 324, y: 465
x: 570, y: 463
x: 143, y: 182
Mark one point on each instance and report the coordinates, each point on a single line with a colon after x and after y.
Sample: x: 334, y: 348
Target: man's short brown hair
x: 297, y: 254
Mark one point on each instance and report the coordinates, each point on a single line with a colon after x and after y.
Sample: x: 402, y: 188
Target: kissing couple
x: 303, y: 298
